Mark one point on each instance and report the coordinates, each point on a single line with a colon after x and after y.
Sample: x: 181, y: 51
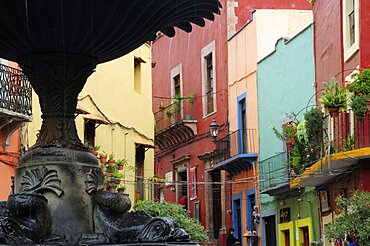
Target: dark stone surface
x: 59, y: 201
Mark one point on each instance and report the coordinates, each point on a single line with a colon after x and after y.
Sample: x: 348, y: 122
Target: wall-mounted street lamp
x: 214, y: 129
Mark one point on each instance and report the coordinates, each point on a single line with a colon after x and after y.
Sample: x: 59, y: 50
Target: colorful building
x: 127, y: 132
x: 189, y: 91
x: 289, y: 215
x: 15, y: 110
x: 246, y: 48
x: 341, y: 49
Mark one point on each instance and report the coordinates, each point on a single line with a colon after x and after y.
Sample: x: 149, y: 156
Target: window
x: 177, y: 107
x: 139, y: 173
x: 350, y: 27
x: 137, y: 73
x: 209, y: 79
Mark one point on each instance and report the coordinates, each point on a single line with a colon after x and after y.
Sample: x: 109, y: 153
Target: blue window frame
x: 242, y: 123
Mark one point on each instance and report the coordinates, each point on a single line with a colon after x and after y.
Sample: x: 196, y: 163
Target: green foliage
x: 289, y: 131
x: 121, y: 188
x: 302, y: 135
x: 353, y: 220
x: 112, y: 185
x: 314, y: 126
x: 334, y: 96
x: 361, y: 85
x: 118, y: 175
x: 111, y: 168
x: 359, y: 106
x: 111, y: 156
x: 177, y: 213
x: 121, y: 162
x: 94, y: 148
x: 349, y: 143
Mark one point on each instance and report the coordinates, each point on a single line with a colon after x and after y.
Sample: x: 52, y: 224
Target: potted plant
x: 121, y: 163
x: 121, y: 189
x: 117, y: 177
x: 94, y: 150
x: 334, y: 98
x: 359, y: 106
x: 161, y: 106
x: 288, y: 134
x: 111, y: 168
x: 103, y: 157
x: 361, y: 84
x: 111, y: 158
x: 112, y: 187
x: 103, y: 167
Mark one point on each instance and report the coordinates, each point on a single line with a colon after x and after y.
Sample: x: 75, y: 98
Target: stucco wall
x: 245, y: 8
x: 111, y: 88
x: 284, y: 77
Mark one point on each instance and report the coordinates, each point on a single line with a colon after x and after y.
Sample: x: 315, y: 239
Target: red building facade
x: 189, y: 91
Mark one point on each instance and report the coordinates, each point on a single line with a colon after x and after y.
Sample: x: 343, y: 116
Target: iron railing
x: 273, y: 172
x: 346, y: 134
x: 237, y: 142
x: 15, y: 91
x: 174, y: 113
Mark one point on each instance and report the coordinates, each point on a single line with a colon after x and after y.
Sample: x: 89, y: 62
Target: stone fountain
x: 58, y: 187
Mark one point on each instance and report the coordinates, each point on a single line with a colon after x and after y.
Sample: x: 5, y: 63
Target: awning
x: 323, y: 171
x: 236, y: 164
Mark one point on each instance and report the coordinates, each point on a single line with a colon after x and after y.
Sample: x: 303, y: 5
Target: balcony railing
x: 175, y: 113
x: 15, y: 91
x: 273, y: 172
x: 238, y: 142
x: 348, y: 134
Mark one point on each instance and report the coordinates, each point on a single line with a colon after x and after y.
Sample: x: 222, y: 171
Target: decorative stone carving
x: 24, y: 220
x: 94, y: 181
x: 58, y: 79
x: 39, y: 180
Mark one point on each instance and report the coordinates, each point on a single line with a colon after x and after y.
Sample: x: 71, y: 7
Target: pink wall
x: 186, y: 49
x: 246, y: 7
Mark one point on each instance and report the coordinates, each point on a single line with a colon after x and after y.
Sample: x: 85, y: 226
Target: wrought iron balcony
x: 274, y: 173
x: 175, y: 124
x: 238, y: 142
x: 237, y: 151
x: 15, y: 101
x: 16, y: 92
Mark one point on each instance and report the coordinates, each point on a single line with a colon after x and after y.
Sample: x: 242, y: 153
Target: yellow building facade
x: 115, y: 112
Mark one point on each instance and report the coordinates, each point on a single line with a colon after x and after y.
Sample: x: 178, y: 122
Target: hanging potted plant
x: 334, y: 98
x: 94, y: 150
x: 112, y: 187
x: 103, y: 157
x: 111, y: 159
x: 121, y: 164
x: 121, y: 189
x: 116, y: 177
x: 288, y: 134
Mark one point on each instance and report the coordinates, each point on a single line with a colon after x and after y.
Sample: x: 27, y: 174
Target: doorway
x: 270, y: 229
x: 216, y: 196
x: 286, y: 238
x: 237, y: 217
x: 305, y: 235
x: 139, y: 173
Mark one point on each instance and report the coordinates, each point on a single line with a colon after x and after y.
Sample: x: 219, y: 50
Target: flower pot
x: 95, y: 153
x: 111, y: 189
x: 116, y: 181
x: 103, y: 159
x: 121, y: 191
x: 111, y: 161
x: 289, y: 144
x: 333, y: 112
x: 120, y: 167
